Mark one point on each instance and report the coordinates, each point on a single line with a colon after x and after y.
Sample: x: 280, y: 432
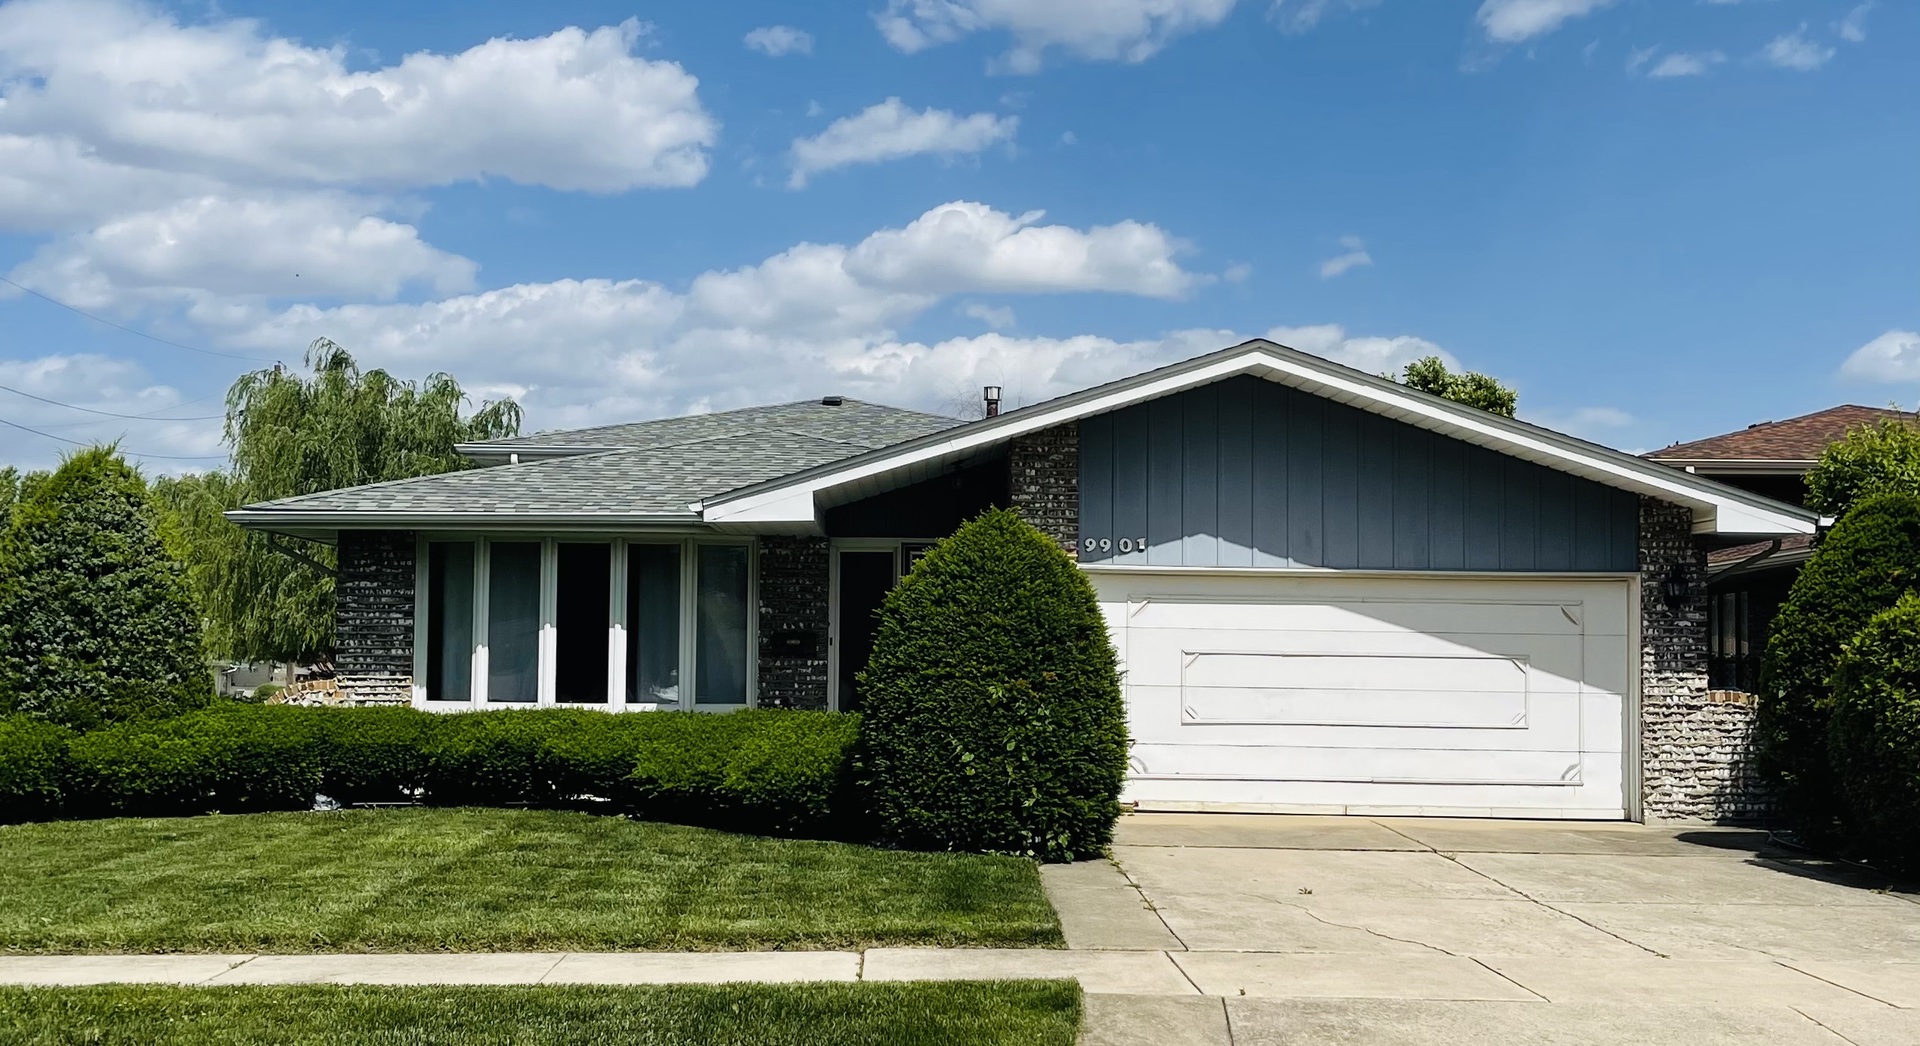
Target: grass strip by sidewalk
x: 489, y: 880
x: 959, y: 1013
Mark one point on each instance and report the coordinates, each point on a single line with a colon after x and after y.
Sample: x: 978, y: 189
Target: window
x: 653, y: 625
x: 721, y: 624
x: 449, y: 674
x: 583, y: 613
x: 663, y: 623
x: 513, y: 621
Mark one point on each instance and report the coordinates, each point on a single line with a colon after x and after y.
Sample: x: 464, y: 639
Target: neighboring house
x: 1748, y: 582
x: 1329, y: 592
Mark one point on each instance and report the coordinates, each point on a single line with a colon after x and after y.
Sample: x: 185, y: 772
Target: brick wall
x: 1043, y: 482
x: 793, y: 597
x: 1697, y: 745
x: 373, y: 609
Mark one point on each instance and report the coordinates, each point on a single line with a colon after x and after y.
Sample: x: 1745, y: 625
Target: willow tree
x: 294, y: 433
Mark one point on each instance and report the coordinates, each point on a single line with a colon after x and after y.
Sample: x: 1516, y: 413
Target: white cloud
x: 571, y: 110
x: 996, y: 317
x: 1853, y: 28
x: 1299, y: 16
x: 1892, y: 357
x: 1794, y: 51
x: 1102, y: 30
x: 1356, y: 256
x: 1684, y: 64
x: 777, y: 40
x: 320, y: 244
x: 1515, y: 21
x: 101, y: 383
x: 891, y: 131
x: 1376, y: 355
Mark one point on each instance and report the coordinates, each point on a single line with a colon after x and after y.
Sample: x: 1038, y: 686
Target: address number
x: 1109, y: 544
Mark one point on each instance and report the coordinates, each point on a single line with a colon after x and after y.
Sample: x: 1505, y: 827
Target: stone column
x: 793, y: 602
x: 373, y: 615
x: 1043, y: 482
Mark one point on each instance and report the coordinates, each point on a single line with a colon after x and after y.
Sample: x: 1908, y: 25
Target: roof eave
x: 1740, y: 466
x: 307, y: 521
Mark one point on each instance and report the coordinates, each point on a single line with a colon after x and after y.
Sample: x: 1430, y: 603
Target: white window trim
x: 548, y: 642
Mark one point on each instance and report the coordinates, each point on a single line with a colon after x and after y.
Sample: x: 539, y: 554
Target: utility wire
x: 136, y: 333
x: 111, y: 414
x: 129, y: 453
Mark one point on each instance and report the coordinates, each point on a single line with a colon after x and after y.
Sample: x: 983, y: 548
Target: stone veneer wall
x: 1043, y: 482
x: 793, y: 597
x: 1696, y: 745
x: 373, y: 612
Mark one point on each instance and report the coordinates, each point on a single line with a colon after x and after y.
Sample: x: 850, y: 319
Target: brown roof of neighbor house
x: 1798, y: 439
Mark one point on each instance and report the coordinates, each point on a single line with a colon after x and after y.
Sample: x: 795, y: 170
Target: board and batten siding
x: 1249, y: 473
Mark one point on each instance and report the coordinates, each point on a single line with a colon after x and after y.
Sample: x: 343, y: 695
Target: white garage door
x: 1321, y: 693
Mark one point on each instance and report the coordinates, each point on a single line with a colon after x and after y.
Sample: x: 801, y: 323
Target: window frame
x: 548, y: 642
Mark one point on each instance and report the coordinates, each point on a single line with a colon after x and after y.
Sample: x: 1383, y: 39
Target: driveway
x: 1390, y: 931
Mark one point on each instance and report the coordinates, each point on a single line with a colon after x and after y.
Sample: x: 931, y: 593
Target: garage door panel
x: 1438, y: 695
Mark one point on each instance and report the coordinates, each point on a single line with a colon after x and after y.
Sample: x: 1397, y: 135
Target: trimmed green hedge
x: 776, y: 772
x: 1874, y: 737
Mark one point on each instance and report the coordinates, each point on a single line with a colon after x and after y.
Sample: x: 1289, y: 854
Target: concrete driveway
x: 1387, y: 931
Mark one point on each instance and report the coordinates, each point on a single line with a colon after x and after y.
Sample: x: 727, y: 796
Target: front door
x: 863, y: 576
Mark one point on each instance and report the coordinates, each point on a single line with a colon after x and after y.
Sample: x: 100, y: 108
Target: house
x: 1329, y: 592
x: 1747, y: 583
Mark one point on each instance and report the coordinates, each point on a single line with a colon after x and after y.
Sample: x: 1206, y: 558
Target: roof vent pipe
x: 832, y: 401
x: 992, y: 396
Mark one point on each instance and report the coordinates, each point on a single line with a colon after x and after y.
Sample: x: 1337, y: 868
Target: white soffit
x: 1717, y: 509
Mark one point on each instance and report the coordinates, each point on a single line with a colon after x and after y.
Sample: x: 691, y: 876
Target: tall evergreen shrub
x: 1874, y: 738
x: 96, y: 622
x: 991, y: 715
x: 1863, y: 566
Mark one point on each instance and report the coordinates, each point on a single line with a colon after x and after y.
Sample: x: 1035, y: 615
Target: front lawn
x: 1007, y: 1013
x: 488, y: 880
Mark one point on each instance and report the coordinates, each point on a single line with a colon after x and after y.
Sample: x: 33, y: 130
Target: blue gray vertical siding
x: 1248, y: 473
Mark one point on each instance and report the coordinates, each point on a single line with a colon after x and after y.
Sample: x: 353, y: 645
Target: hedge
x: 991, y: 713
x: 1874, y: 736
x: 775, y: 772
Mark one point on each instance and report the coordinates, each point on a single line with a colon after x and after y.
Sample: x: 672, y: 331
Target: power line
x: 129, y: 453
x: 136, y: 333
x: 111, y: 414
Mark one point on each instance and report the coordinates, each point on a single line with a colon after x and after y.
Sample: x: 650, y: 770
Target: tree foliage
x: 1874, y: 739
x: 991, y: 715
x: 96, y: 619
x: 300, y: 433
x: 1872, y: 459
x: 1430, y: 374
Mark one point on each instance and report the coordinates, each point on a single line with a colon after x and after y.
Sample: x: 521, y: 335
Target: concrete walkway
x: 1238, y: 930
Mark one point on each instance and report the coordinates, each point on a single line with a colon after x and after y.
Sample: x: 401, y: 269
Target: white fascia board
x: 1715, y: 512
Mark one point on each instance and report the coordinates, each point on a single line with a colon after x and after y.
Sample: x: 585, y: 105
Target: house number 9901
x: 1109, y: 544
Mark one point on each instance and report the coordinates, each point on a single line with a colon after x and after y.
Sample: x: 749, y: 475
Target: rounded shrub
x: 991, y: 715
x: 1874, y: 736
x: 34, y: 768
x: 96, y: 621
x: 1864, y: 565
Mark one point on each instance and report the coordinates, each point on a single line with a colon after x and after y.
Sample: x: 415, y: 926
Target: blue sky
x: 1659, y: 220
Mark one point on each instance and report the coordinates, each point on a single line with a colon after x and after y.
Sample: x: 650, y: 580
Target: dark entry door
x: 866, y: 576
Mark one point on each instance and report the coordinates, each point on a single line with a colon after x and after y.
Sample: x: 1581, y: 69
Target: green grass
x: 1014, y: 1013
x: 488, y: 880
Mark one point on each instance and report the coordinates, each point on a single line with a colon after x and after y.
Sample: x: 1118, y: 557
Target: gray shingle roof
x: 663, y: 467
x: 866, y: 425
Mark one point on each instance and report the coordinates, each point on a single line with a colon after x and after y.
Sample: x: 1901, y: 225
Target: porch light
x: 1676, y: 589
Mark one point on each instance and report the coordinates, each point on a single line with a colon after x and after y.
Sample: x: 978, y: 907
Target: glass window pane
x: 653, y: 625
x: 513, y: 621
x: 583, y: 618
x: 449, y: 621
x: 720, y: 670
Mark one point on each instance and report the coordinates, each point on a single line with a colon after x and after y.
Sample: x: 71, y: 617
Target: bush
x: 227, y: 759
x: 34, y: 771
x: 777, y: 772
x: 370, y: 755
x: 991, y: 710
x: 1874, y: 738
x: 96, y: 623
x: 1863, y: 566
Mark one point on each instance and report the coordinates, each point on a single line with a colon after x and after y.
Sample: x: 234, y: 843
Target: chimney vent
x: 832, y: 401
x: 991, y: 394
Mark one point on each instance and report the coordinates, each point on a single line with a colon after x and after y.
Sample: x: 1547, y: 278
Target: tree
x: 991, y: 716
x: 295, y: 434
x: 97, y: 623
x: 1872, y: 459
x: 1866, y: 563
x: 1874, y: 739
x: 1430, y: 374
